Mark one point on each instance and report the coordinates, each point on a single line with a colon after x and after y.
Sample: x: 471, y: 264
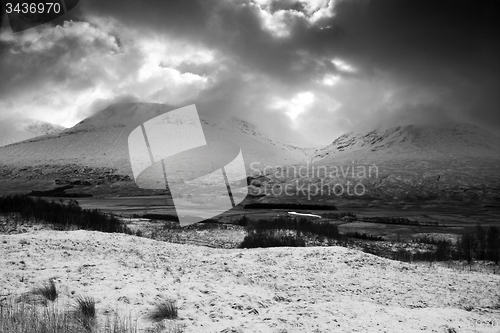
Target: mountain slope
x: 12, y: 131
x: 454, y: 162
x: 97, y: 147
x: 101, y: 140
x: 444, y: 141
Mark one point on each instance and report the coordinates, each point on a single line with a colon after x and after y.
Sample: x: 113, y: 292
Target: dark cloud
x: 412, y: 61
x: 447, y: 50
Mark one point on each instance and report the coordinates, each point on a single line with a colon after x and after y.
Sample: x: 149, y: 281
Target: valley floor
x: 312, y: 289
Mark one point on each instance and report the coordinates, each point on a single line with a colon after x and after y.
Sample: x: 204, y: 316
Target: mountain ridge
x: 17, y: 130
x: 457, y: 139
x: 98, y: 145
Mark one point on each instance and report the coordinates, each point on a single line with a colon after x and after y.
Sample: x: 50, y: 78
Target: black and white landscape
x: 370, y: 134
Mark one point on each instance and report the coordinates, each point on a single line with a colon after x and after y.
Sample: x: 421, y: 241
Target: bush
x: 272, y: 239
x: 325, y: 229
x: 364, y: 236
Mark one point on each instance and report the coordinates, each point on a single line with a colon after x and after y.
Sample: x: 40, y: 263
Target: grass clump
x: 48, y: 291
x: 20, y: 317
x: 85, y: 305
x: 85, y: 311
x: 165, y: 309
x: 25, y: 318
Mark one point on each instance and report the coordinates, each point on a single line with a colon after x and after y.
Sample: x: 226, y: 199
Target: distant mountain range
x: 95, y: 151
x: 12, y: 131
x: 102, y: 141
x: 453, y: 162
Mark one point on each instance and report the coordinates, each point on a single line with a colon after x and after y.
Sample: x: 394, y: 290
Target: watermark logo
x: 171, y: 152
x: 311, y: 181
x: 25, y: 14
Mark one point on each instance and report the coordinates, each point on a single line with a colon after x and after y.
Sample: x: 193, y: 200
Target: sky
x: 303, y: 72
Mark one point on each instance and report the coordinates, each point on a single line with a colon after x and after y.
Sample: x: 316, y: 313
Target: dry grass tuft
x: 165, y: 309
x: 49, y: 291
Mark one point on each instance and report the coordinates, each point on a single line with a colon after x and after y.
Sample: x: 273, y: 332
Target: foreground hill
x: 316, y: 289
x: 12, y: 131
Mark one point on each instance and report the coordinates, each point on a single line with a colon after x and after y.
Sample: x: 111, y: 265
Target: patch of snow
x: 313, y: 289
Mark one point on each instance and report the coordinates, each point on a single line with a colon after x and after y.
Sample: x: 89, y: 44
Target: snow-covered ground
x: 314, y: 289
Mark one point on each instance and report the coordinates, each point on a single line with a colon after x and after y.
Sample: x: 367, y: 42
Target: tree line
x: 479, y: 243
x: 64, y: 216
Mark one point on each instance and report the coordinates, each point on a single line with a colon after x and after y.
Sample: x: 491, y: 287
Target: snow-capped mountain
x: 97, y: 147
x: 456, y: 139
x: 445, y: 162
x: 454, y: 162
x: 102, y: 140
x: 12, y: 131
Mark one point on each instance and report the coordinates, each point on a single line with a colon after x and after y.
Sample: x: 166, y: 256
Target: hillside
x: 441, y: 163
x: 453, y: 163
x: 251, y: 291
x: 101, y: 140
x: 455, y: 139
x: 12, y: 131
x: 96, y: 149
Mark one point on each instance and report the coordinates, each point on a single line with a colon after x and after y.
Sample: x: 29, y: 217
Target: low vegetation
x: 59, y: 192
x: 300, y: 225
x: 397, y: 221
x: 274, y: 238
x: 165, y: 309
x: 64, y: 216
x: 85, y: 312
x: 48, y: 291
x: 20, y: 317
x: 261, y: 205
x: 479, y: 243
x: 291, y: 231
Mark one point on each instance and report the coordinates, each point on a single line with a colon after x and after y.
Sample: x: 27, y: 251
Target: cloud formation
x: 302, y: 71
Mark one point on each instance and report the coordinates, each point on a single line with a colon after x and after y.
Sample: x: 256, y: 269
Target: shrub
x: 165, y: 309
x: 272, y: 239
x: 325, y: 229
x: 243, y: 221
x: 364, y: 236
